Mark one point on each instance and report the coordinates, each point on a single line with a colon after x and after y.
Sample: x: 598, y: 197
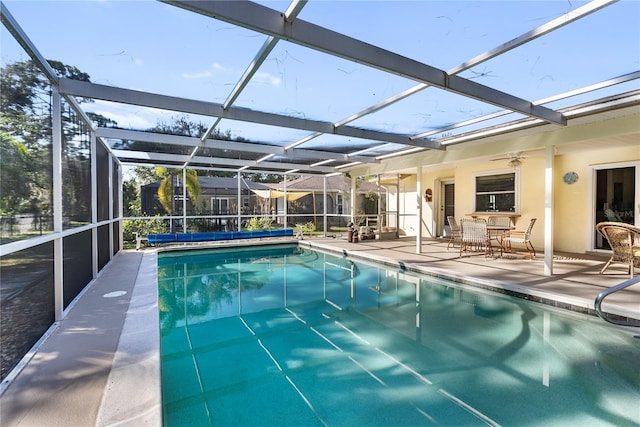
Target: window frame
x: 217, y: 201
x: 516, y: 188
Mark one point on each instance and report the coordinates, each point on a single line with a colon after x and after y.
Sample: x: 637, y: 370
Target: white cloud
x: 270, y: 79
x: 129, y: 121
x: 197, y: 75
x: 133, y: 119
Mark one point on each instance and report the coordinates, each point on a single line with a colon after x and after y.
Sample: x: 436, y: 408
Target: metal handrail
x: 602, y: 295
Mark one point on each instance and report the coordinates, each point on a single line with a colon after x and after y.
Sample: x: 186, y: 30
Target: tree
x: 130, y: 197
x: 170, y: 177
x: 25, y: 143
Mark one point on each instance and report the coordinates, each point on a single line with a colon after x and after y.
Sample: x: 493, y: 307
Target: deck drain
x: 115, y: 294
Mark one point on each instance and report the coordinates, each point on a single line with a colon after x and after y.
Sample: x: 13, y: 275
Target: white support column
x: 419, y: 202
x: 397, y: 206
x: 285, y: 210
x: 184, y: 200
x: 121, y: 210
x: 239, y: 213
x: 548, y: 211
x: 324, y: 204
x: 379, y: 223
x: 58, y: 271
x: 354, y: 195
x: 110, y: 216
x: 94, y: 205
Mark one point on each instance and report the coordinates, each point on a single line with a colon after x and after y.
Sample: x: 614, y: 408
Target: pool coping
x: 137, y: 356
x: 565, y: 302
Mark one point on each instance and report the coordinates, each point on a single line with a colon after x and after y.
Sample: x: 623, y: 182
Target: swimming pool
x: 289, y: 336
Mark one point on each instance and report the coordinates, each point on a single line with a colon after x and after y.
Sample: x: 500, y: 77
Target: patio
x: 89, y: 369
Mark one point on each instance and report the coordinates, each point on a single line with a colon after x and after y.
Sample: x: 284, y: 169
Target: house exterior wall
x: 578, y: 148
x: 574, y: 208
x: 529, y: 188
x: 573, y: 203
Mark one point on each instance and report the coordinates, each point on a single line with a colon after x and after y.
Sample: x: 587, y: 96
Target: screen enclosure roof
x: 321, y: 87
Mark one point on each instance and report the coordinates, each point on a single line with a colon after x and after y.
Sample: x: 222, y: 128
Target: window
x: 496, y: 192
x: 219, y: 206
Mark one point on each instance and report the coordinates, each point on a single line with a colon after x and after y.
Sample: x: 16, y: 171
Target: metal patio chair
x: 456, y: 233
x: 521, y: 237
x: 475, y: 236
x: 624, y: 240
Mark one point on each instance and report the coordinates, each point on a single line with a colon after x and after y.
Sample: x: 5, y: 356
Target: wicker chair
x: 521, y: 237
x: 499, y: 220
x: 475, y: 236
x: 624, y: 240
x: 456, y: 233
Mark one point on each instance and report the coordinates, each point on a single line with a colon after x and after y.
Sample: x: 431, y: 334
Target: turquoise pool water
x: 284, y: 336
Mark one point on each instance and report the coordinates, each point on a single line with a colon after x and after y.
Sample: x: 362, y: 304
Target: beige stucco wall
x: 573, y: 214
x: 531, y: 203
x: 573, y: 204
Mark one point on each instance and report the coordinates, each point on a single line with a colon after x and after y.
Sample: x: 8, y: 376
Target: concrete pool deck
x: 101, y: 364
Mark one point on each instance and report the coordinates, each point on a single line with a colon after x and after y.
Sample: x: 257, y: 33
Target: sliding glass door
x: 616, y: 197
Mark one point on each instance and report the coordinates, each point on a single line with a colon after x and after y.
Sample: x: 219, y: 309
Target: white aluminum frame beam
x: 246, y: 147
x: 268, y: 21
x: 172, y: 103
x: 611, y: 82
x: 512, y: 44
x: 292, y: 11
x: 234, y: 163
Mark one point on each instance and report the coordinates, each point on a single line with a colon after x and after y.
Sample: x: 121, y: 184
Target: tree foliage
x: 26, y: 140
x: 170, y: 178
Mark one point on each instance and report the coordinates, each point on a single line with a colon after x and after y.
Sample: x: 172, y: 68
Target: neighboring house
x: 218, y: 196
x: 305, y: 196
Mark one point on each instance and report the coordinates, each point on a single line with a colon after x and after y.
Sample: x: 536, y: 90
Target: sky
x: 155, y: 47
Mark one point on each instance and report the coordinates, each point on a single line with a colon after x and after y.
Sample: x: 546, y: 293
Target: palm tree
x: 166, y: 189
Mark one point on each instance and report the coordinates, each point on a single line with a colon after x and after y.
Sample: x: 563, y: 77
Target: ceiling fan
x: 514, y: 159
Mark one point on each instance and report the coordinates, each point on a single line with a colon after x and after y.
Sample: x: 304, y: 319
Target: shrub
x: 307, y: 228
x: 143, y: 227
x: 263, y: 223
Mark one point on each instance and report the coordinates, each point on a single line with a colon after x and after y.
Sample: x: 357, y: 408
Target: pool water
x: 285, y: 336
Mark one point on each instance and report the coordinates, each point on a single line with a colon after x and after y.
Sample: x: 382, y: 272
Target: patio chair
x: 502, y: 221
x: 624, y: 240
x: 456, y: 233
x: 499, y: 220
x: 475, y: 236
x: 521, y: 237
